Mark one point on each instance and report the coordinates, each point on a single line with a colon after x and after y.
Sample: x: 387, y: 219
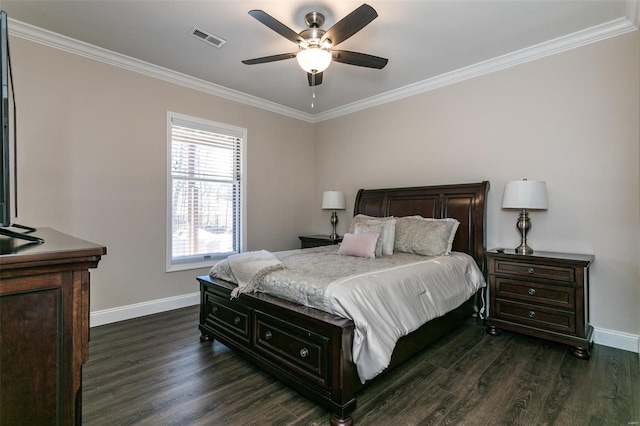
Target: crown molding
x: 591, y: 35
x: 67, y: 44
x: 552, y: 47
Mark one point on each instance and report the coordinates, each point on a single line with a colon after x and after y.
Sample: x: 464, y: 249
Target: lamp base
x: 523, y: 249
x: 334, y: 221
x: 523, y: 225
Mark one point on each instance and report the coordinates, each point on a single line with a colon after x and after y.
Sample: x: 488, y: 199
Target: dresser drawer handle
x: 268, y: 335
x: 531, y: 270
x: 532, y: 314
x: 304, y: 352
x: 214, y: 310
x: 236, y: 320
x: 532, y: 291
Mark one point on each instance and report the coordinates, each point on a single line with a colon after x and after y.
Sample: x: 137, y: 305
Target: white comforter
x: 386, y: 298
x: 383, y: 313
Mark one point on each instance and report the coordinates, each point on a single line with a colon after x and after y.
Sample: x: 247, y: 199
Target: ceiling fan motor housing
x: 314, y: 33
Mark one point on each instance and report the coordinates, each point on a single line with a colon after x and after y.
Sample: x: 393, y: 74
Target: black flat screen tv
x: 8, y: 145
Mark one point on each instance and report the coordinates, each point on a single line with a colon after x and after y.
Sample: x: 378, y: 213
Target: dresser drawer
x: 532, y: 292
x: 536, y: 316
x: 226, y: 317
x: 564, y: 274
x: 296, y: 348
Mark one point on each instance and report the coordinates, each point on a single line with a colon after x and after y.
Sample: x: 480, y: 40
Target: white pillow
x: 387, y: 235
x: 387, y: 230
x: 363, y: 218
x: 359, y: 245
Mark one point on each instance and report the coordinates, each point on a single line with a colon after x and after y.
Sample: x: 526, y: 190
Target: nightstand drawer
x: 536, y: 316
x: 548, y: 295
x: 547, y: 272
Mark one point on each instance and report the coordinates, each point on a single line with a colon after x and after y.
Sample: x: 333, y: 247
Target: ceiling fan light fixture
x: 314, y: 59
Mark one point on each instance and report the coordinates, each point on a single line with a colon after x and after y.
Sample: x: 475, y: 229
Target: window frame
x: 226, y: 129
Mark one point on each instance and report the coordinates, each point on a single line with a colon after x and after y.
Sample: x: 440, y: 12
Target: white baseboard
x: 121, y: 313
x: 616, y: 339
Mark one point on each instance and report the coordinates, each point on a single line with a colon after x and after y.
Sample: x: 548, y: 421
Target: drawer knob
x: 304, y: 352
x: 236, y: 320
x: 268, y: 335
x: 532, y: 291
x: 531, y: 270
x: 532, y: 314
x: 214, y: 310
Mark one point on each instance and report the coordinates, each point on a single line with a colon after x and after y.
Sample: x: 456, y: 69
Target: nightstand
x: 308, y: 241
x: 542, y: 294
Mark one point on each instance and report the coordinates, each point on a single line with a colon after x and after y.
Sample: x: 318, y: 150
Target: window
x: 206, y: 193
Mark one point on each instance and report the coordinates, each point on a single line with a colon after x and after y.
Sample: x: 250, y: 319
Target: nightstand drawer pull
x: 532, y: 314
x: 531, y: 270
x: 304, y: 352
x: 268, y: 335
x: 532, y: 291
x: 214, y: 310
x: 236, y: 320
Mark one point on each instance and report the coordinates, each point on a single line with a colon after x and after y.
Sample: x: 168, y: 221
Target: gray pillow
x: 425, y: 236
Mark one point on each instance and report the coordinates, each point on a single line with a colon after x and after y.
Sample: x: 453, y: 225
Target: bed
x: 311, y: 350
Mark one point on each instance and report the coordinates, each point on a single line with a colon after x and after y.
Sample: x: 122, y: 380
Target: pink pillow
x: 363, y: 245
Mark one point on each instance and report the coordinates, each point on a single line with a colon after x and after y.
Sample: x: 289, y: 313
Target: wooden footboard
x: 307, y: 349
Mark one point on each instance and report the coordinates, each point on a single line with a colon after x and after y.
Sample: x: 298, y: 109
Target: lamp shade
x: 314, y: 59
x: 525, y: 194
x: 333, y: 200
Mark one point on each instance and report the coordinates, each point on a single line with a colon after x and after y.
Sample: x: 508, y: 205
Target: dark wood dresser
x: 543, y: 294
x: 44, y: 327
x: 308, y: 241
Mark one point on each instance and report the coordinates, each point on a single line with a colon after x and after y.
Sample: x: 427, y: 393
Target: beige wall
x: 92, y: 163
x: 572, y: 119
x: 93, y: 152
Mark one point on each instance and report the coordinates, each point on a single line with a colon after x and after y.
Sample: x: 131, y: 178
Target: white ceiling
x: 427, y: 42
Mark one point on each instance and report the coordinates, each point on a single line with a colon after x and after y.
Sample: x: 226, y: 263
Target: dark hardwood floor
x: 155, y: 371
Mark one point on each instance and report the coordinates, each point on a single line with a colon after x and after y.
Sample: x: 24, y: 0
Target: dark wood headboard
x: 465, y: 202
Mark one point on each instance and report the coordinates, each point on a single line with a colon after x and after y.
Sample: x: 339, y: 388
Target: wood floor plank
x: 463, y: 375
x: 155, y: 371
x: 634, y: 372
x: 612, y: 398
x: 567, y: 399
x: 547, y: 358
x: 488, y: 395
x: 451, y: 348
x: 391, y: 401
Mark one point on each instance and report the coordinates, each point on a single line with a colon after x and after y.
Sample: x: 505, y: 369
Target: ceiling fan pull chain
x: 313, y: 95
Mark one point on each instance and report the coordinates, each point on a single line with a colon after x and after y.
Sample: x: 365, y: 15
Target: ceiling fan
x: 316, y: 45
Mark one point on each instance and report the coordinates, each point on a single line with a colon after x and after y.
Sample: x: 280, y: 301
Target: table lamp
x: 524, y: 194
x: 333, y: 200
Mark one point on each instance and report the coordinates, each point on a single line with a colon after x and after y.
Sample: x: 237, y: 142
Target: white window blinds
x: 205, y: 190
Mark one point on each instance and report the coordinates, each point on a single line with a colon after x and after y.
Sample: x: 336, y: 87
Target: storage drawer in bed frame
x: 298, y: 349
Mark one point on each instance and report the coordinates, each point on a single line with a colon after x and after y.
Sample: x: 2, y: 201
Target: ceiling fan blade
x: 350, y: 24
x: 314, y: 79
x: 272, y: 58
x: 359, y: 59
x: 277, y: 26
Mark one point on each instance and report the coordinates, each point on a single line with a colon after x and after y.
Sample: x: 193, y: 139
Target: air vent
x: 207, y: 37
